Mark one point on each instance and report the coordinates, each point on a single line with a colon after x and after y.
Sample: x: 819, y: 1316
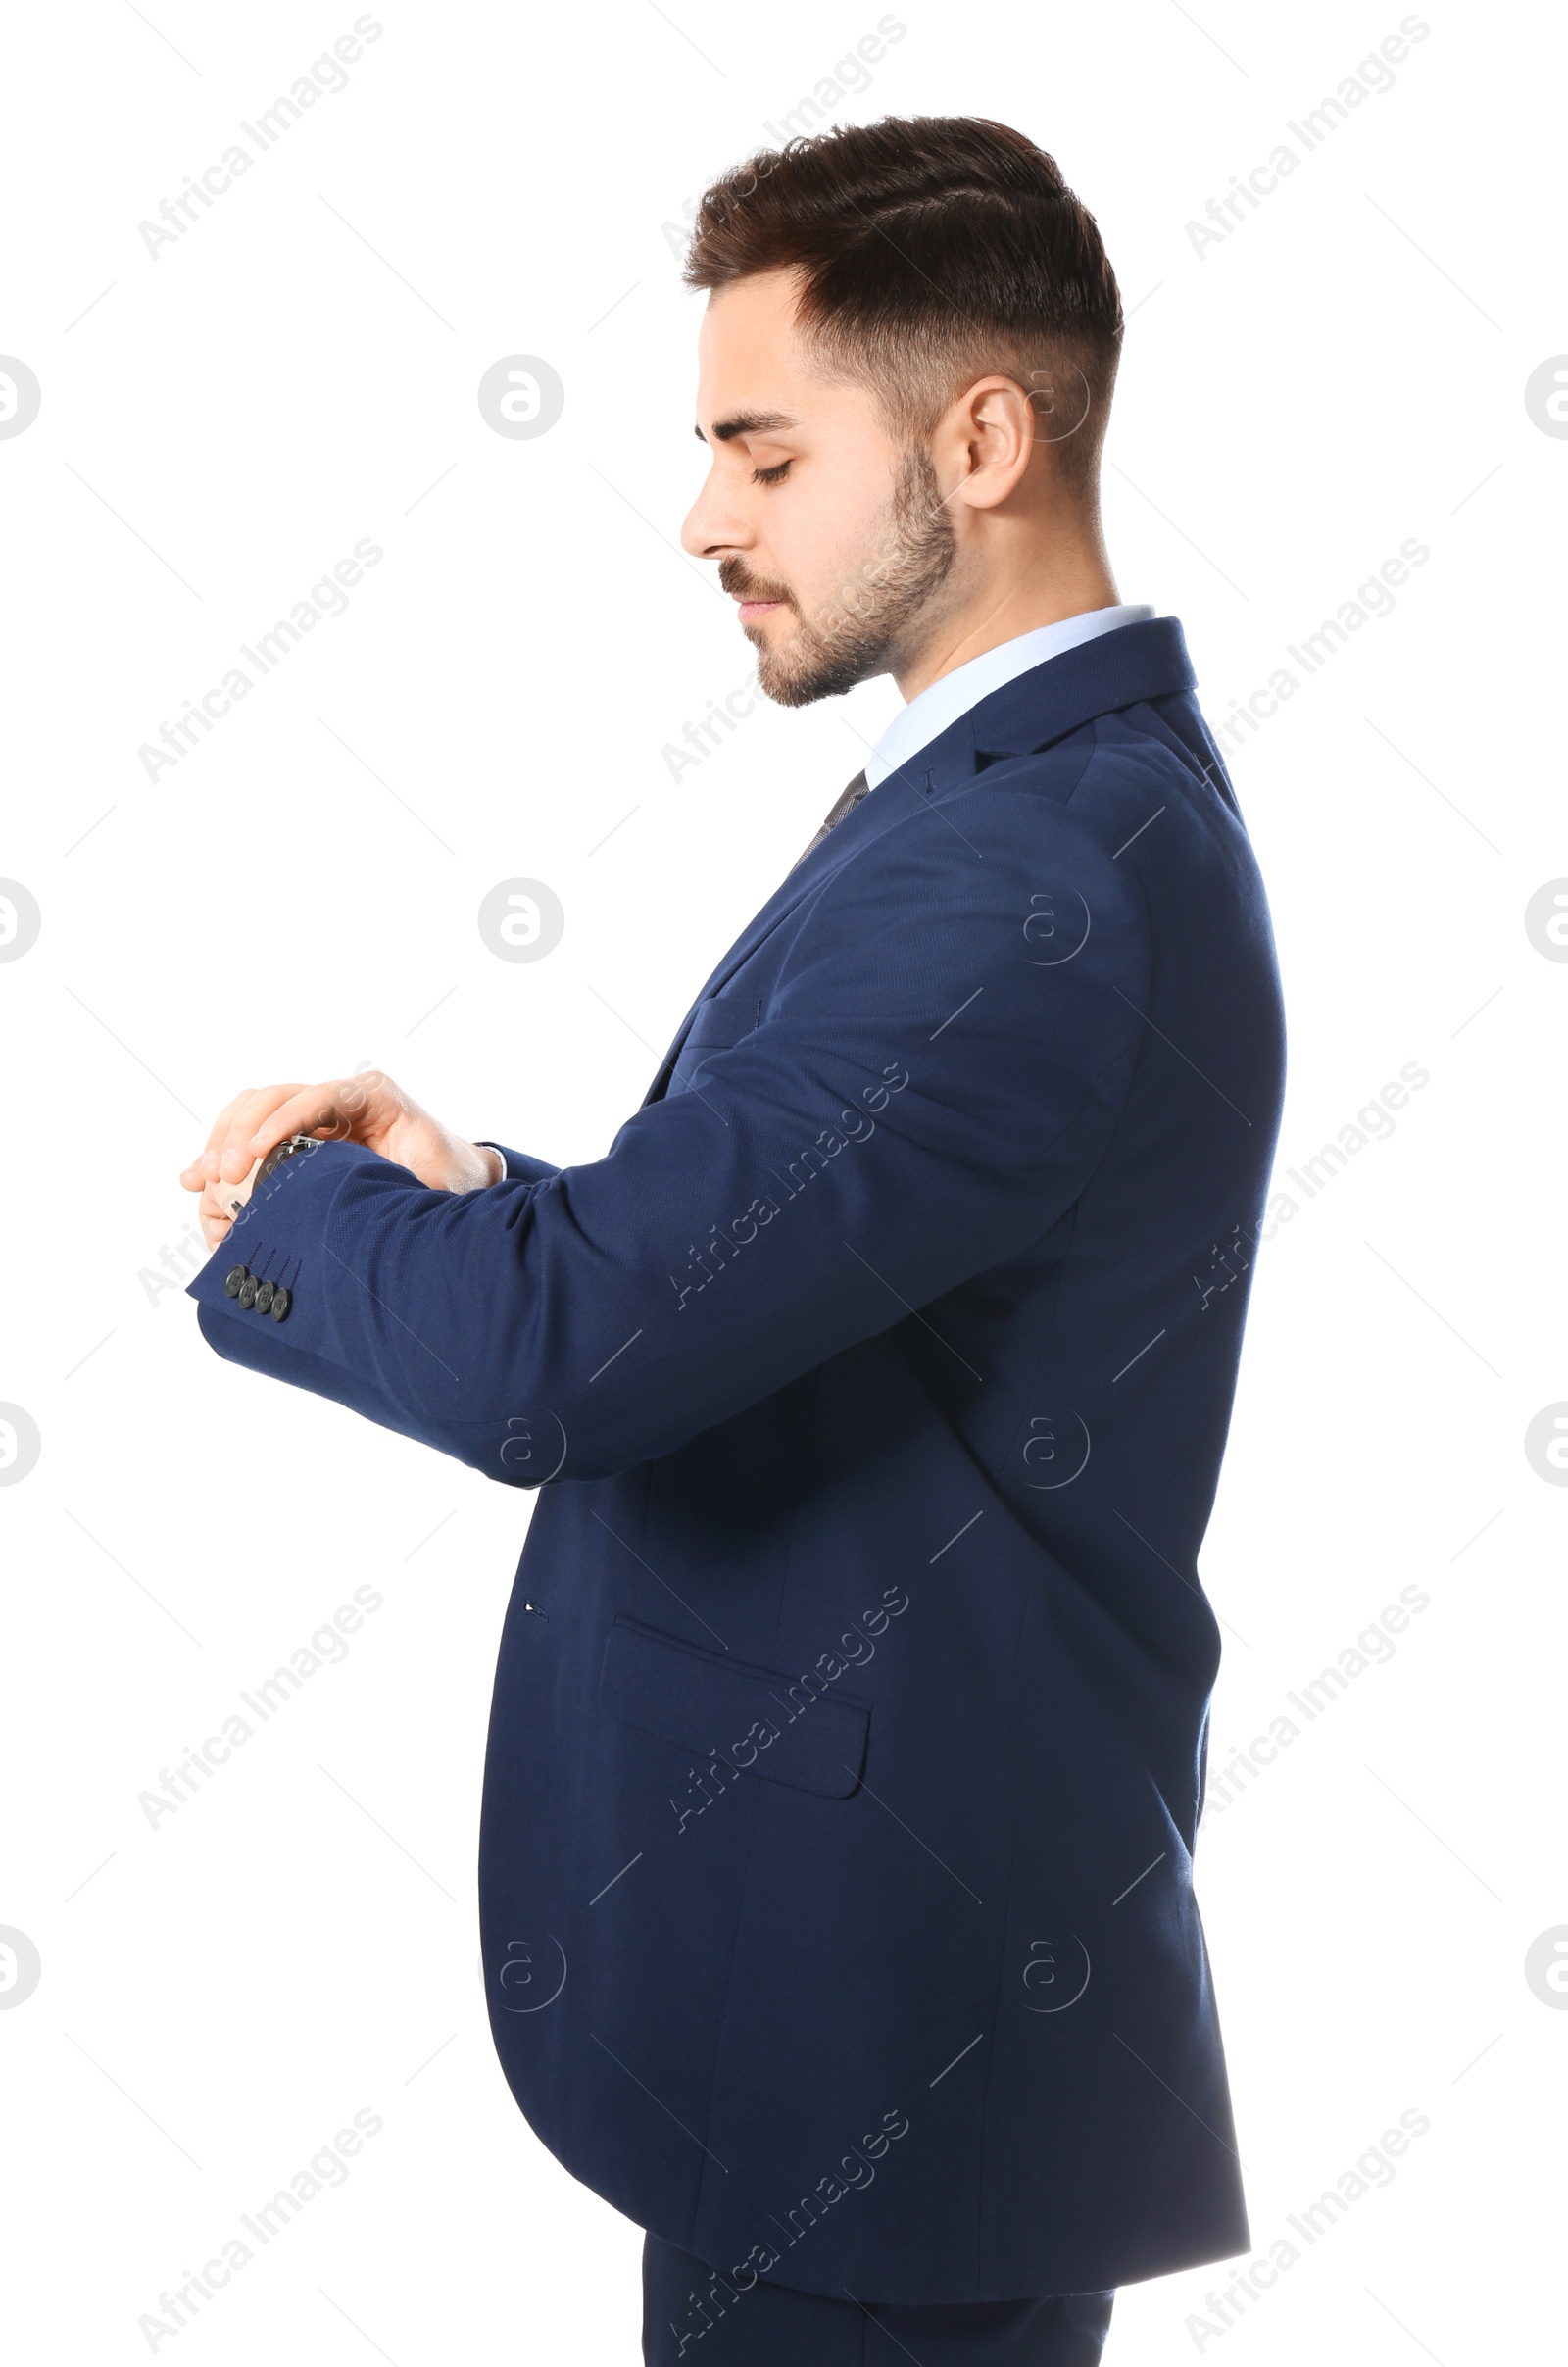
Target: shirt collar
x: 953, y: 695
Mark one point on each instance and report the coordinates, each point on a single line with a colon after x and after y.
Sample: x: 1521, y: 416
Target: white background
x: 298, y: 896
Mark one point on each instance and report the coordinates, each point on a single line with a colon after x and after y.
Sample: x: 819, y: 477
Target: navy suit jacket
x: 848, y: 1729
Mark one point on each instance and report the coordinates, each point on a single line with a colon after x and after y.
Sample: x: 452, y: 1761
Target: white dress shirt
x: 953, y: 695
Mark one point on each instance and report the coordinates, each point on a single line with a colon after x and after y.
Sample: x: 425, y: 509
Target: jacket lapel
x: 784, y: 897
x: 807, y: 873
x: 1137, y: 663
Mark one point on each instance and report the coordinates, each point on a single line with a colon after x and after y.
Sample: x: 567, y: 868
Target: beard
x: 871, y: 622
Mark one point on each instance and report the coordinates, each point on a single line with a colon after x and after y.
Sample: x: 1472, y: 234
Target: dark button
x: 247, y: 1291
x: 282, y: 1300
x: 236, y: 1276
x: 264, y: 1293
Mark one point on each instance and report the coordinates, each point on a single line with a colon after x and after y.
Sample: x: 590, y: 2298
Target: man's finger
x: 195, y: 1175
x: 314, y: 1109
x: 235, y: 1157
x: 339, y: 1111
x: 213, y: 1216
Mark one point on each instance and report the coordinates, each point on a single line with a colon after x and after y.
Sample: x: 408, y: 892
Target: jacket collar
x: 1123, y: 669
x: 1120, y: 669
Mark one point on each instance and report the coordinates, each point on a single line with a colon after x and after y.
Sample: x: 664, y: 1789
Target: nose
x: 713, y: 526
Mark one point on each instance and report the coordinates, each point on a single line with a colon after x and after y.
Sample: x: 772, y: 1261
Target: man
x: 847, y: 1740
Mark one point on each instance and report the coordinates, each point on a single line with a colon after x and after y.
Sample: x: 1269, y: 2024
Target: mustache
x: 736, y: 579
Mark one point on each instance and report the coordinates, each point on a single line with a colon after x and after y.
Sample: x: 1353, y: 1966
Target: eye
x: 771, y: 477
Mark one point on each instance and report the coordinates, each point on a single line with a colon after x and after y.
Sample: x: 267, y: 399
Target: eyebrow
x: 746, y: 422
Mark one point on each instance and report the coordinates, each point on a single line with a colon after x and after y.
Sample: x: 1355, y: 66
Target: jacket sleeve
x: 936, y: 1075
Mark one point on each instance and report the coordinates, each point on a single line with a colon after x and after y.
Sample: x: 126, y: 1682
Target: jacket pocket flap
x: 755, y: 1718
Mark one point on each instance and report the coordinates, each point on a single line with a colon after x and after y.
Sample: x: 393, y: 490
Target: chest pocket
x: 719, y: 1023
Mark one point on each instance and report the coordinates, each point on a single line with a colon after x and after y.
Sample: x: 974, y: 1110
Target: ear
x: 984, y: 442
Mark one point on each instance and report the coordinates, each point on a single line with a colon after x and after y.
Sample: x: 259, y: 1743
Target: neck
x: 1006, y: 590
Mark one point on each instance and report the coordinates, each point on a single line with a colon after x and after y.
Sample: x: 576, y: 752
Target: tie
x: 844, y: 803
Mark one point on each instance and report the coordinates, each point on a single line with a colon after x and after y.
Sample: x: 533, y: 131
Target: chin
x: 778, y: 672
x: 802, y: 684
x: 784, y: 684
x: 800, y: 666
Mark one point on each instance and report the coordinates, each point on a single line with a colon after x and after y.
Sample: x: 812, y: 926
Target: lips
x: 749, y: 592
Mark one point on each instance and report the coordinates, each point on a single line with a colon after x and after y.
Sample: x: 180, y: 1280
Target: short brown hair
x: 934, y: 249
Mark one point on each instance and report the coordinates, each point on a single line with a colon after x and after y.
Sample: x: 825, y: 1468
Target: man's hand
x: 368, y: 1109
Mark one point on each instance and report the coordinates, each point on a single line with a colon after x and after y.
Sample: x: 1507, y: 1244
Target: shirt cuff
x: 520, y: 1166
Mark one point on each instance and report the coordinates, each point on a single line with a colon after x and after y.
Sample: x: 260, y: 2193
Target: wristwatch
x: 270, y: 1163
x: 279, y: 1152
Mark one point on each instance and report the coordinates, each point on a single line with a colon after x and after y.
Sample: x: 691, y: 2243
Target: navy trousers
x: 698, y: 2320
